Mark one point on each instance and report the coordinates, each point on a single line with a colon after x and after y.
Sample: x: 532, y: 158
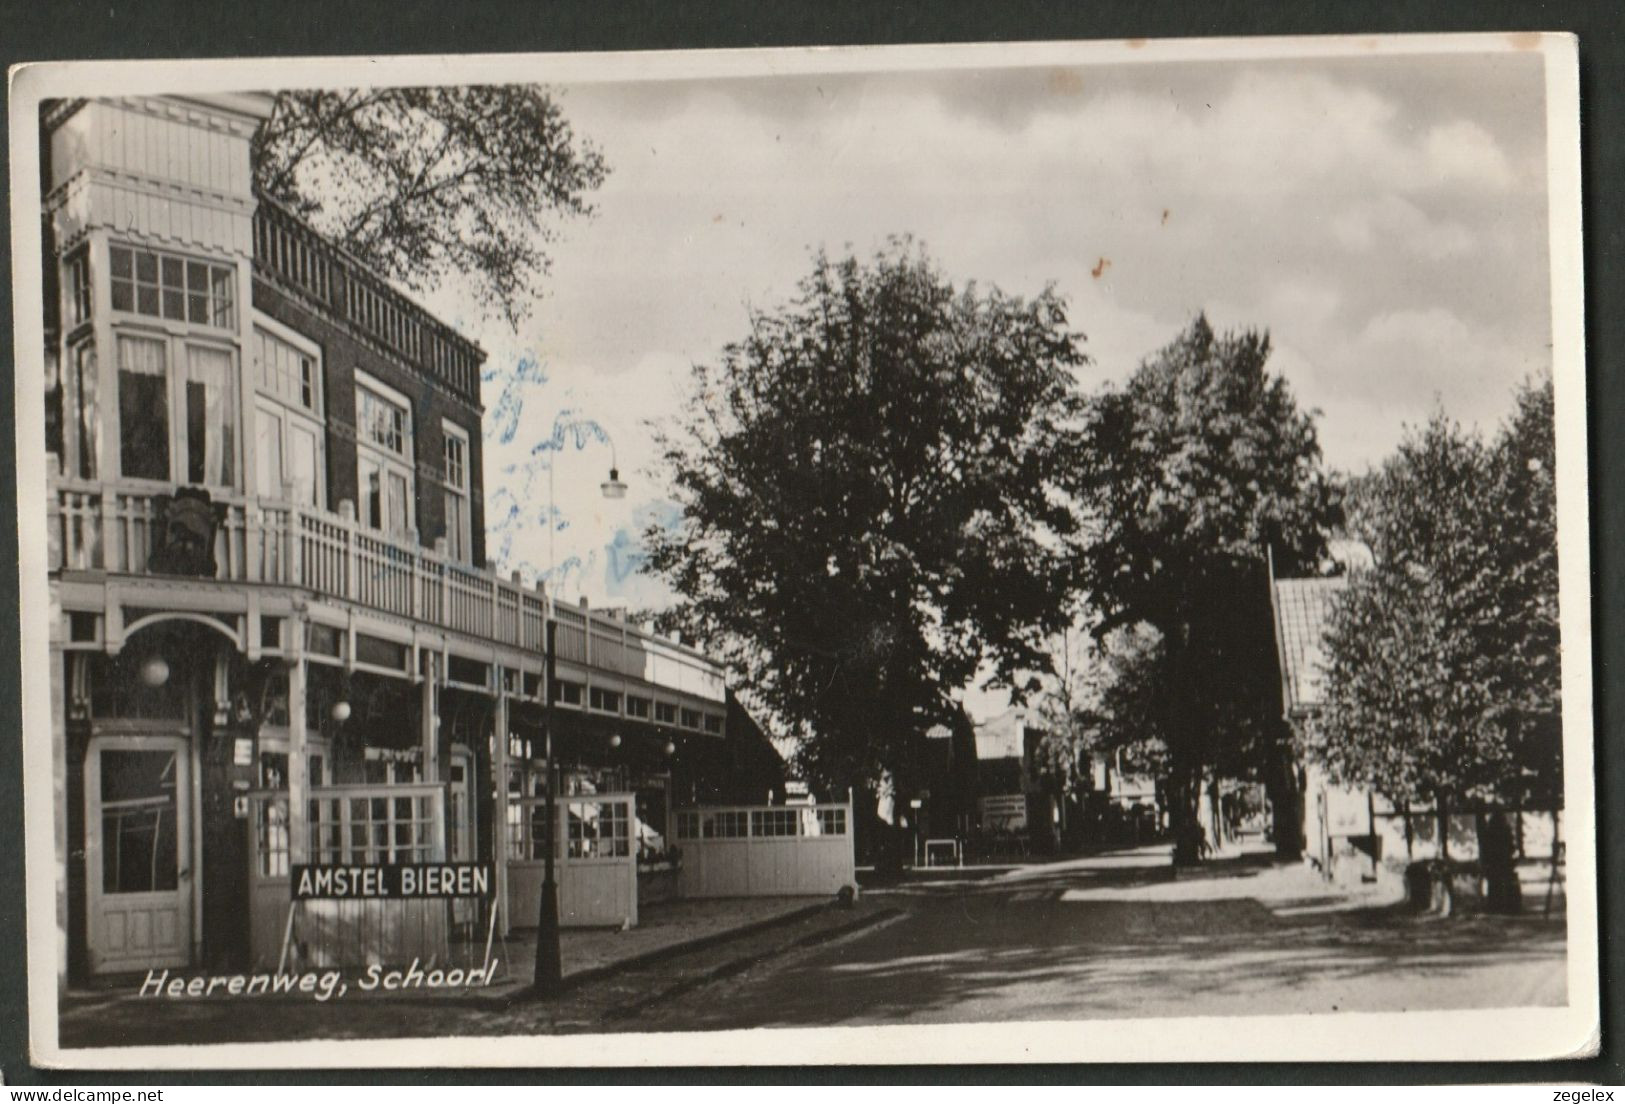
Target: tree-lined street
x: 1106, y: 937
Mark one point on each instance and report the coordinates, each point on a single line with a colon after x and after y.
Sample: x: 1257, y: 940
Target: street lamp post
x: 549, y: 976
x: 549, y: 979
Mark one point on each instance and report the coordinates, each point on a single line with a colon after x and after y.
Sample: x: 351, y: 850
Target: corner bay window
x: 166, y: 285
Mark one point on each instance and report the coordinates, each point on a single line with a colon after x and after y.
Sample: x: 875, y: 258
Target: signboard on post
x: 390, y: 881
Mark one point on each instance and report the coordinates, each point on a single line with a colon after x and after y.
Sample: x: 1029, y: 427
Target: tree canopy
x: 1190, y: 474
x: 870, y: 483
x: 426, y: 184
x: 1442, y: 659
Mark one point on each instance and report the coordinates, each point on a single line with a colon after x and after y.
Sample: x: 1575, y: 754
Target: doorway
x: 138, y: 853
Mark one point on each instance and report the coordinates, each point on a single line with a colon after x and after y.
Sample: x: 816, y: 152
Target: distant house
x: 1338, y: 821
x: 1013, y: 795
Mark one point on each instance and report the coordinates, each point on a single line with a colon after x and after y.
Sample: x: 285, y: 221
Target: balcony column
x: 429, y: 716
x: 298, y: 757
x: 499, y: 811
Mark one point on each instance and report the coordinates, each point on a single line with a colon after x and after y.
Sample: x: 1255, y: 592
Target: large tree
x: 871, y: 517
x: 426, y: 184
x: 1442, y: 659
x: 1191, y: 473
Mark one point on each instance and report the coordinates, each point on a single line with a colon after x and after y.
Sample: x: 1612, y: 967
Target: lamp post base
x: 549, y: 980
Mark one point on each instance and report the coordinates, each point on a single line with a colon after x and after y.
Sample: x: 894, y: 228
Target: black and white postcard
x: 1056, y: 552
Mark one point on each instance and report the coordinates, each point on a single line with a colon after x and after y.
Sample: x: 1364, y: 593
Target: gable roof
x: 1302, y: 609
x: 1000, y: 737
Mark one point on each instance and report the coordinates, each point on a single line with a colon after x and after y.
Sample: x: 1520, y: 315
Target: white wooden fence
x: 597, y: 867
x: 765, y: 850
x: 364, y: 825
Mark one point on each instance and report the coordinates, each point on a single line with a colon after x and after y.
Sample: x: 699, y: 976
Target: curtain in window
x: 87, y: 411
x: 143, y: 397
x: 211, y: 417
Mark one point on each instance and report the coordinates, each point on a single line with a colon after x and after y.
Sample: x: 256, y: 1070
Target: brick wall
x: 343, y: 355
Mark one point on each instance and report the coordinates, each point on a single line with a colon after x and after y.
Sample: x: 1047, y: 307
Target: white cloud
x: 1363, y: 220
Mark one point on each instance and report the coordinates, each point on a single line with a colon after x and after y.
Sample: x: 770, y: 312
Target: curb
x: 688, y: 946
x: 740, y: 965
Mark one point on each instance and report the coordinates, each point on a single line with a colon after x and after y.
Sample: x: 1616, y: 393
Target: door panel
x: 138, y: 851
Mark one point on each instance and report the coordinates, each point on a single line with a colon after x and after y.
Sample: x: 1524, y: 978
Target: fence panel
x: 765, y: 850
x: 597, y: 864
x: 363, y: 825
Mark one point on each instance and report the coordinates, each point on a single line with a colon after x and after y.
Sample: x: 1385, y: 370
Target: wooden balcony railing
x: 297, y: 256
x: 109, y: 527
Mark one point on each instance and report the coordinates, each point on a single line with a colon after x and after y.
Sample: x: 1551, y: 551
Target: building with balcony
x: 274, y: 635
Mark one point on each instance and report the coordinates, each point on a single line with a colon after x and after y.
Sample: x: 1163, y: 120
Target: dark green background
x: 37, y: 30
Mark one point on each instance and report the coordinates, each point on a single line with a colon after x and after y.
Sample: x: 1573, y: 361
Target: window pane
x: 197, y: 277
x: 397, y: 502
x: 123, y: 296
x: 211, y: 417
x: 88, y: 410
x: 172, y: 273
x: 120, y: 258
x: 146, y: 268
x: 268, y: 454
x: 140, y: 849
x: 143, y: 408
x: 221, y: 295
x: 146, y: 300
x: 301, y: 468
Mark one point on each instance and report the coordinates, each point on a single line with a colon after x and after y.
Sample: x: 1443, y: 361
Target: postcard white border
x: 1476, y: 1035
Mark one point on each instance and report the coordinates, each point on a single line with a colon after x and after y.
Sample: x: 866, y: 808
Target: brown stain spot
x: 1065, y: 82
x: 1100, y: 268
x: 1135, y: 43
x: 717, y: 218
x: 1525, y: 40
x: 1165, y: 216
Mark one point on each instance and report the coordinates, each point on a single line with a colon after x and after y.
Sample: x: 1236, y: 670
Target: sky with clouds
x: 1384, y: 217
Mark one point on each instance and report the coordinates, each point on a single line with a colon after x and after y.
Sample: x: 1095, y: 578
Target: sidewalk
x: 612, y: 977
x: 663, y: 928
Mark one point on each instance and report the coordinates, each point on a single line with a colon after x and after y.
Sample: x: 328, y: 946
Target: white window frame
x: 175, y: 343
x: 460, y: 545
x: 269, y: 401
x: 402, y: 463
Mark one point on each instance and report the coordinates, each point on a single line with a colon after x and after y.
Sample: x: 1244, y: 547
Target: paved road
x: 1116, y: 937
x: 1108, y: 937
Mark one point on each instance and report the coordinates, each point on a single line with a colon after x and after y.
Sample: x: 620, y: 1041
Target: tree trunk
x: 1184, y: 796
x: 1286, y: 807
x: 1185, y: 765
x: 1441, y: 807
x: 1495, y: 856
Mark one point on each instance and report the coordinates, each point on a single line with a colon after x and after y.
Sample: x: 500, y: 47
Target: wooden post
x: 298, y: 759
x: 429, y: 718
x: 499, y: 816
x: 348, y: 527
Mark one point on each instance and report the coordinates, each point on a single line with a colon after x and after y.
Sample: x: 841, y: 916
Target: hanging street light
x: 549, y: 975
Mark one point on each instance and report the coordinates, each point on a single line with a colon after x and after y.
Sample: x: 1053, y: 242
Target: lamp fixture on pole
x: 549, y: 976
